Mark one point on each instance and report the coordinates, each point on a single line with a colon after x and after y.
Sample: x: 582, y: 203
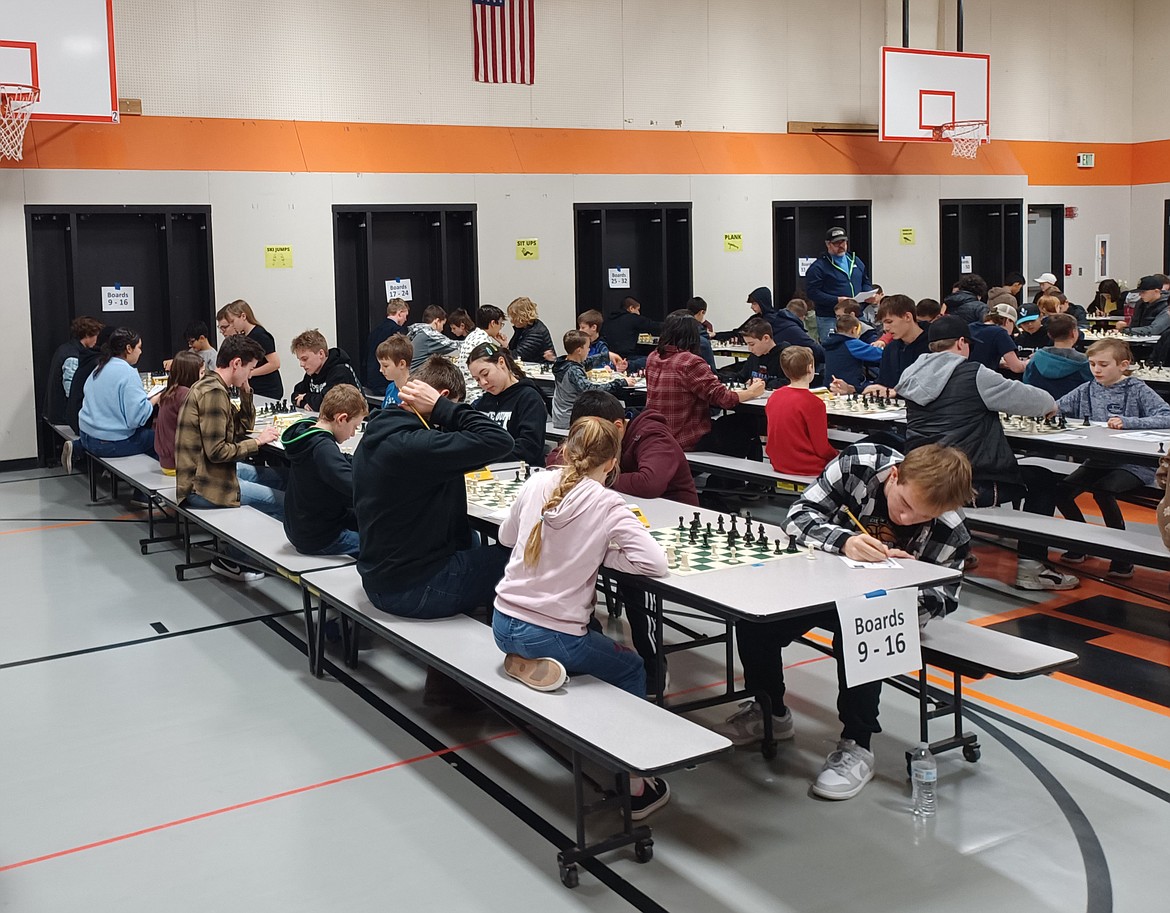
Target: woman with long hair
x: 186, y: 368
x: 510, y: 399
x: 237, y: 319
x: 116, y: 412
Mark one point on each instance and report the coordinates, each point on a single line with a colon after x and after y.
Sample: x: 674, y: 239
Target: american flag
x: 505, y: 41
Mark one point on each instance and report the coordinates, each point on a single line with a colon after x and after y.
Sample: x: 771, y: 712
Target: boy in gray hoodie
x: 951, y: 400
x: 428, y: 339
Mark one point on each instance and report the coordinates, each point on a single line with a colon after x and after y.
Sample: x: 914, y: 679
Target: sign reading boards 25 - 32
x: 619, y: 278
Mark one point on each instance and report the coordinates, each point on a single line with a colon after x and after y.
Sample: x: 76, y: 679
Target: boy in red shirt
x: 798, y: 425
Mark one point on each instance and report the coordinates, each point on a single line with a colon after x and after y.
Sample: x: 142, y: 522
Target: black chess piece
x: 779, y: 551
x: 731, y: 540
x: 1086, y: 423
x: 748, y: 538
x: 1161, y: 447
x: 691, y: 535
x: 1060, y: 422
x: 709, y: 530
x: 721, y: 523
x: 792, y: 549
x: 706, y: 540
x: 734, y: 528
x: 747, y: 520
x: 681, y: 524
x: 760, y: 533
x: 527, y: 472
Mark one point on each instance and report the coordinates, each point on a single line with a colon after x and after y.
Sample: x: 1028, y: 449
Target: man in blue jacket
x: 835, y: 276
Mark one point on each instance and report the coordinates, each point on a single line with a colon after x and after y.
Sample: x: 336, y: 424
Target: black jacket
x: 964, y: 304
x: 86, y: 363
x: 318, y: 502
x: 56, y: 402
x: 751, y: 367
x: 787, y: 328
x: 530, y: 343
x: 409, y: 530
x: 521, y: 410
x: 622, y: 329
x: 336, y: 370
x: 378, y: 335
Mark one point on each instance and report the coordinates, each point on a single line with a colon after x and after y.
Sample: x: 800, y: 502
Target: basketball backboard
x: 66, y: 47
x: 921, y: 90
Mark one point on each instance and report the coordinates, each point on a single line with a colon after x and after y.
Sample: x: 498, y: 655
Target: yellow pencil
x: 856, y: 522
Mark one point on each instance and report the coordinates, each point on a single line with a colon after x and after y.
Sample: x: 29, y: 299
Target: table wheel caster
x: 972, y: 753
x: 570, y: 877
x: 644, y: 850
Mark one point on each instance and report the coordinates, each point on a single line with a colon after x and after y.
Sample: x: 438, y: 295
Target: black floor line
x: 1098, y: 883
x: 541, y: 825
x: 59, y: 475
x: 1103, y: 766
x: 146, y: 640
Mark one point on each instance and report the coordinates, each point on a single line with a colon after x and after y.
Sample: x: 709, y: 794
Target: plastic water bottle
x: 923, y: 774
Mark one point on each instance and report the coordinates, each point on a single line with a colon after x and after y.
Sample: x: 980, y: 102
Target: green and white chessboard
x: 494, y: 494
x: 715, y: 557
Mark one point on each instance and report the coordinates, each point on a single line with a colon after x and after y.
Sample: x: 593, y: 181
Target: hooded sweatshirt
x: 590, y: 528
x: 428, y: 341
x: 520, y: 409
x: 62, y: 368
x: 318, y: 502
x: 622, y: 329
x: 847, y: 357
x: 572, y: 381
x: 336, y: 370
x: 1137, y: 405
x: 409, y: 530
x: 788, y: 328
x: 1059, y: 371
x: 964, y: 304
x: 951, y: 400
x: 86, y: 362
x: 1151, y: 319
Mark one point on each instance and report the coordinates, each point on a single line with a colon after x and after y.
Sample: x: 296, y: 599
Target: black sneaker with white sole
x: 655, y: 794
x: 233, y: 571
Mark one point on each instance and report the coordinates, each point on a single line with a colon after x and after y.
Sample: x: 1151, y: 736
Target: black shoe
x: 233, y: 571
x: 1120, y: 570
x: 654, y: 796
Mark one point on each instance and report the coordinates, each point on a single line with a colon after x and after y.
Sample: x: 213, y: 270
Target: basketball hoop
x: 16, y: 104
x: 965, y: 136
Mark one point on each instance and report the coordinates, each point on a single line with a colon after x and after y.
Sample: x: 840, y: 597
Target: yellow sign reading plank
x: 906, y: 236
x: 278, y: 256
x: 733, y: 241
x: 527, y: 248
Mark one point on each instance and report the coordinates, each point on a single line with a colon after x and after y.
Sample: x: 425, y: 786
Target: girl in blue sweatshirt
x: 116, y: 412
x: 1120, y: 402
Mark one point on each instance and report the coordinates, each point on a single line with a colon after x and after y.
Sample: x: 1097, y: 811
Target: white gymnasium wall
x: 1151, y: 101
x: 1147, y: 229
x: 1060, y: 67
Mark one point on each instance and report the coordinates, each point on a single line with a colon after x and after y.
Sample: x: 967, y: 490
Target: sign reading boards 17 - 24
x: 398, y: 288
x: 118, y: 298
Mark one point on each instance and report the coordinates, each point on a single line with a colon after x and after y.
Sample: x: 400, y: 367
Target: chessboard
x: 1151, y: 373
x: 686, y: 557
x: 494, y: 494
x: 1024, y: 425
x: 863, y: 404
x: 280, y: 415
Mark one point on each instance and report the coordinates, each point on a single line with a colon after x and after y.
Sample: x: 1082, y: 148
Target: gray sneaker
x: 1033, y: 575
x: 746, y: 725
x: 846, y: 771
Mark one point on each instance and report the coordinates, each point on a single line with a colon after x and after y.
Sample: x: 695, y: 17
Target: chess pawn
x: 671, y: 557
x: 792, y: 546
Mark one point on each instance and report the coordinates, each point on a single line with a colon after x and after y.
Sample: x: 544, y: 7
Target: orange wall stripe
x: 212, y: 144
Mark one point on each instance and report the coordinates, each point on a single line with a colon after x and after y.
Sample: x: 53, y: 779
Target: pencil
x: 856, y: 522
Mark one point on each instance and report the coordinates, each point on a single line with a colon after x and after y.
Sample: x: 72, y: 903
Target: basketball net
x: 16, y: 104
x: 965, y: 136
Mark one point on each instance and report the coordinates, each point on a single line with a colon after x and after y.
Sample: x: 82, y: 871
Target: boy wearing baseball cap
x: 991, y: 340
x: 1151, y: 316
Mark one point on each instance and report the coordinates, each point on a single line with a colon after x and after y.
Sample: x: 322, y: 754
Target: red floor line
x: 739, y: 678
x: 252, y: 802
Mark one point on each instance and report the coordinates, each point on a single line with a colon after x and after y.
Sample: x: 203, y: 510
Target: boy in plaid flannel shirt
x: 909, y: 505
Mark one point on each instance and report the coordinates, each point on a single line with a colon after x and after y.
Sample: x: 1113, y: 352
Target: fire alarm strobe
x: 1086, y: 159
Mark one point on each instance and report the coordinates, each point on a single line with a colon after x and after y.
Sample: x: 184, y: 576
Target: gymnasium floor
x: 166, y: 750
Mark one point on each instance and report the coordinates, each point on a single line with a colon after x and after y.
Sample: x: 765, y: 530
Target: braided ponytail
x: 591, y: 443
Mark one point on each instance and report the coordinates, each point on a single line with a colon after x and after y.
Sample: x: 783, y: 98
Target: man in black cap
x: 952, y: 400
x: 1151, y: 316
x: 835, y: 276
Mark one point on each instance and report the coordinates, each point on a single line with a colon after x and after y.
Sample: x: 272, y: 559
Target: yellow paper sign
x: 733, y: 241
x: 527, y: 248
x: 480, y: 475
x: 278, y: 256
x: 906, y: 236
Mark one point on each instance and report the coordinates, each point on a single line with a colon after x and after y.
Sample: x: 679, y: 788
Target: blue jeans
x: 466, y: 582
x: 346, y: 543
x: 141, y: 441
x: 826, y: 326
x: 591, y: 653
x: 262, y: 487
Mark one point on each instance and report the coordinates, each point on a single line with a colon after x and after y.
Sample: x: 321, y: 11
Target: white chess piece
x: 670, y: 556
x: 685, y: 565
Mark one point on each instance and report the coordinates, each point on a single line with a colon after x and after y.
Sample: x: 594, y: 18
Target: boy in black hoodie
x: 417, y: 557
x: 622, y: 329
x: 324, y: 368
x: 318, y: 502
x: 764, y: 362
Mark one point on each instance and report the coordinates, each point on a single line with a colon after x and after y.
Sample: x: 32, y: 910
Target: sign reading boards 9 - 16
x: 879, y: 635
x: 117, y: 298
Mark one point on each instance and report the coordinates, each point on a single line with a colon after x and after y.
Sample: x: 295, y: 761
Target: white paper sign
x: 879, y: 635
x: 803, y: 263
x: 618, y: 277
x: 965, y: 264
x: 398, y: 288
x: 118, y: 298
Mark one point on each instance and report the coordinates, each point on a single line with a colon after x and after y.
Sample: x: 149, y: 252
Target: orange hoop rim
x: 961, y: 127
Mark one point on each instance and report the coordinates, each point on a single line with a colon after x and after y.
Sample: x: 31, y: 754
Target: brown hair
x: 494, y: 352
x: 591, y: 318
x: 797, y: 306
x: 397, y: 348
x: 943, y: 345
x: 522, y: 312
x: 241, y: 347
x: 185, y: 368
x: 847, y: 323
x: 236, y: 309
x: 896, y: 306
x: 81, y: 327
x: 574, y: 340
x: 344, y: 399
x: 311, y: 341
x: 440, y: 373
x: 1062, y: 326
x: 460, y: 318
x: 591, y: 442
x: 396, y: 306
x: 1049, y: 305
x: 433, y: 312
x: 942, y: 475
x: 757, y: 328
x: 1118, y: 348
x: 927, y: 309
x: 850, y: 307
x: 795, y: 362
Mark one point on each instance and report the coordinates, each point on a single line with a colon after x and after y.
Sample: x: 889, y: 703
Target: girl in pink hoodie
x: 563, y: 526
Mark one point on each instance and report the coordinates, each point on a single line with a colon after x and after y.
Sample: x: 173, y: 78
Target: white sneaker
x: 1034, y: 575
x: 67, y: 457
x: 746, y: 725
x: 845, y: 773
x: 233, y: 571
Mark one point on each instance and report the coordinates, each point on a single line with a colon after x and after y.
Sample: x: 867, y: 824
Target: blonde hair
x: 522, y: 312
x: 311, y: 341
x: 592, y: 441
x: 237, y: 308
x: 344, y: 398
x: 940, y: 473
x: 1118, y: 348
x: 795, y: 361
x: 1048, y: 305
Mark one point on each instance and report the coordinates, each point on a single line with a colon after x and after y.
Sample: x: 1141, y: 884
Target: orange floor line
x: 41, y: 529
x: 1141, y: 703
x: 252, y: 802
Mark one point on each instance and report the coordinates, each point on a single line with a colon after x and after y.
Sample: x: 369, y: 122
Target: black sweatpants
x: 1104, y: 482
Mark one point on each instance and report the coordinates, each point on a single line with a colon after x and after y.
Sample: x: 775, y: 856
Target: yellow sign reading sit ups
x: 733, y: 241
x: 278, y: 256
x: 527, y: 248
x: 906, y: 236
